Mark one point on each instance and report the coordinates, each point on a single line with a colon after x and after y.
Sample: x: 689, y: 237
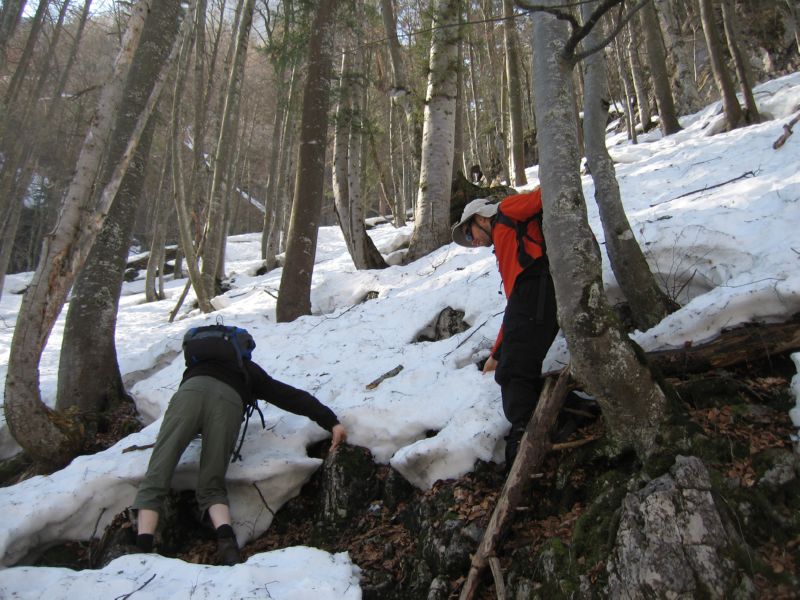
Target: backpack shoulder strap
x: 521, y: 229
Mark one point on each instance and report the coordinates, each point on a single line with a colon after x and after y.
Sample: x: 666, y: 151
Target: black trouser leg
x: 529, y: 327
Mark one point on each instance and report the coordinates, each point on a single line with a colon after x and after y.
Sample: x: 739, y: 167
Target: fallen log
x: 533, y: 448
x: 743, y: 344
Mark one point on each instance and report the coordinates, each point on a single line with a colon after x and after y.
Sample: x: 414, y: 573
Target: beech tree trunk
x: 514, y: 83
x: 187, y: 243
x: 154, y: 277
x: 10, y: 14
x: 45, y: 435
x: 88, y: 373
x: 403, y: 97
x: 639, y: 79
x: 294, y: 299
x: 668, y: 119
x: 215, y: 224
x: 431, y: 223
x: 648, y: 303
x: 743, y: 70
x: 627, y: 87
x: 347, y: 171
x: 687, y: 98
x: 21, y: 71
x: 730, y: 104
x: 603, y: 359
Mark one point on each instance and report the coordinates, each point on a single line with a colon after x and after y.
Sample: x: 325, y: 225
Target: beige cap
x: 484, y: 207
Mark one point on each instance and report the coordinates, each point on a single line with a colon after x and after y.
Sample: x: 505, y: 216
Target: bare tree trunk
x: 155, y: 263
x: 668, y: 119
x: 88, y: 373
x: 21, y: 152
x: 187, y: 247
x: 743, y: 71
x: 431, y: 219
x: 472, y: 112
x: 294, y: 299
x: 281, y: 195
x: 401, y: 94
x: 627, y: 86
x: 10, y: 14
x: 647, y: 302
x: 458, y: 125
x: 348, y: 181
x: 791, y: 19
x: 47, y: 436
x: 733, y: 111
x: 687, y: 98
x: 21, y: 72
x: 633, y: 405
x: 513, y: 81
x: 639, y: 80
x: 214, y: 228
x: 284, y: 92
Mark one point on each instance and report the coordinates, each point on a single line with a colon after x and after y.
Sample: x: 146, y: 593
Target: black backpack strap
x: 250, y: 408
x: 521, y: 229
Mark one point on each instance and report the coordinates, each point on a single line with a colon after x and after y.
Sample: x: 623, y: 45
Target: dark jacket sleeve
x: 289, y: 398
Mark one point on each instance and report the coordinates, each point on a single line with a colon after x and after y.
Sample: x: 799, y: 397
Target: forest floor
x: 747, y: 412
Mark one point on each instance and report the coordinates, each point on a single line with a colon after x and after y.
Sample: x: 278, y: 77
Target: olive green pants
x: 201, y: 405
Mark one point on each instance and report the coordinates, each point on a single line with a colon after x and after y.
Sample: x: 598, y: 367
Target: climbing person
x: 514, y: 227
x: 219, y: 384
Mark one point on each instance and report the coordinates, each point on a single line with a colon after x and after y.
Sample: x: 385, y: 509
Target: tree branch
x: 558, y: 14
x: 581, y: 32
x: 612, y: 34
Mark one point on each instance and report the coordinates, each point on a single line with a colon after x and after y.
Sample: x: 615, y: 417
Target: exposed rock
x: 671, y: 541
x: 348, y: 484
x: 446, y: 324
x: 784, y: 469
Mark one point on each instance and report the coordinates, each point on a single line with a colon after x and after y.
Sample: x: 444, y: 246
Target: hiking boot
x: 512, y: 446
x: 228, y: 551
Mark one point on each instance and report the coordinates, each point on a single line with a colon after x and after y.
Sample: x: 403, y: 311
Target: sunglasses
x: 467, y: 230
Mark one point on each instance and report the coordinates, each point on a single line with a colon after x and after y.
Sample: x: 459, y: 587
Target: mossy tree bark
x: 603, y: 358
x: 88, y: 373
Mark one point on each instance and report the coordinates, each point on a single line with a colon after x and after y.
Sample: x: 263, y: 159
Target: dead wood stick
x: 787, y: 131
x: 135, y: 447
x: 533, y: 448
x: 497, y: 573
x: 709, y: 187
x: 387, y: 375
x: 573, y: 444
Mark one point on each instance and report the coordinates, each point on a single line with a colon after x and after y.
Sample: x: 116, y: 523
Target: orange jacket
x: 519, y: 207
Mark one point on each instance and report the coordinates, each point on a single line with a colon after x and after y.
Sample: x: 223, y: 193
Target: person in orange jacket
x: 514, y: 228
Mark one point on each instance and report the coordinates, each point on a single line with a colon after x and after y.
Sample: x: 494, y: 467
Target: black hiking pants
x: 529, y: 327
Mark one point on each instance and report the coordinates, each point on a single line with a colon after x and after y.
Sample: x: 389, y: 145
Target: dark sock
x: 225, y: 531
x: 144, y: 541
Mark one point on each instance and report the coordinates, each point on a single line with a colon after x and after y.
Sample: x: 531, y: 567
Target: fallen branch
x: 533, y: 448
x: 387, y: 375
x: 135, y: 447
x: 139, y: 589
x: 573, y: 444
x: 497, y: 573
x: 787, y: 131
x: 709, y: 187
